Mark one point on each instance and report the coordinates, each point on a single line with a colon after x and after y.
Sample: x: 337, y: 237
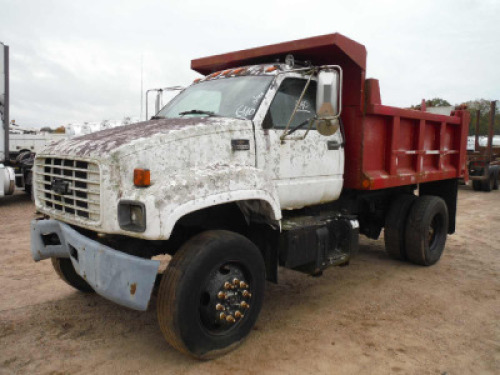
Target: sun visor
x: 320, y: 50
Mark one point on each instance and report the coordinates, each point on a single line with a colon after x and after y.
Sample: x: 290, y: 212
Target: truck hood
x: 107, y: 141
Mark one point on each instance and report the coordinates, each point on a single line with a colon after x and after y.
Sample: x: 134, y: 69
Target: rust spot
x: 133, y: 288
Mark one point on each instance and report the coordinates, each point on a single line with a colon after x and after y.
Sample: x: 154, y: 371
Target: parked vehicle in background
x: 7, y: 174
x: 31, y: 142
x: 279, y: 156
x: 483, y: 162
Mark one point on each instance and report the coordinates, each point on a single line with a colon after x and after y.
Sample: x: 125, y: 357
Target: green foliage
x: 483, y: 106
x: 436, y: 102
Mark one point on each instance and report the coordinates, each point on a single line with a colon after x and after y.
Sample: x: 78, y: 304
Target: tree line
x: 483, y: 105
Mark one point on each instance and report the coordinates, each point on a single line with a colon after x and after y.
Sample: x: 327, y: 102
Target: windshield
x: 238, y: 97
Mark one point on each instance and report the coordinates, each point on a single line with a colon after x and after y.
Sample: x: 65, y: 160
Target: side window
x: 286, y: 99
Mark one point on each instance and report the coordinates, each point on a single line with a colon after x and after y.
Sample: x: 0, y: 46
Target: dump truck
x: 279, y: 156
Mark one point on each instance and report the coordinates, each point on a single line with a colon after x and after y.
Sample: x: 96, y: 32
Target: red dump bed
x: 385, y: 146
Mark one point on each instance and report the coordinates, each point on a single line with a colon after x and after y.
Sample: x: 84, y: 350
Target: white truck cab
x: 249, y: 136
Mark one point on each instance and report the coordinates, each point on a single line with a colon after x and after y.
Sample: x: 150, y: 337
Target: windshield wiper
x: 197, y: 112
x: 157, y: 117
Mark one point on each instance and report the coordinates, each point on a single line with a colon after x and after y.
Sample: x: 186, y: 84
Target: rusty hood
x: 105, y: 142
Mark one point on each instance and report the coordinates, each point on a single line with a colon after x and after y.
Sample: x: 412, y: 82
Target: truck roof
x: 319, y: 50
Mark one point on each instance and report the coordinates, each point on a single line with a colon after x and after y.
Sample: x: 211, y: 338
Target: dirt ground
x: 377, y: 316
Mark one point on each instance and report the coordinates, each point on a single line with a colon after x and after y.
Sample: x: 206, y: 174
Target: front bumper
x: 125, y: 279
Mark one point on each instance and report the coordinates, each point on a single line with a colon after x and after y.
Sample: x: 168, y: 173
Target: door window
x: 286, y: 99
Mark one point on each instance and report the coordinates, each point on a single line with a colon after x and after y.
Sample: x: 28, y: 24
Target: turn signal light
x: 142, y: 177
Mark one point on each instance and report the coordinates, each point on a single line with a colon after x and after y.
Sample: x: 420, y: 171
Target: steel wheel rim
x: 225, y: 298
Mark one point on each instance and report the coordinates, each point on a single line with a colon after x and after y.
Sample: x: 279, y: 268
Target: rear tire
x: 395, y: 225
x: 476, y: 185
x: 190, y: 303
x: 489, y: 184
x: 64, y: 268
x: 426, y: 230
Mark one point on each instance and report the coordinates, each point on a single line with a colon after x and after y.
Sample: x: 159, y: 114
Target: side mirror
x: 328, y: 99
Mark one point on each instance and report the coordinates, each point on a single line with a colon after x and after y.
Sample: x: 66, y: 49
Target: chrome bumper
x: 125, y: 279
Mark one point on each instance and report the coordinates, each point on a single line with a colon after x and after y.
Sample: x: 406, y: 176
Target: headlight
x: 132, y: 216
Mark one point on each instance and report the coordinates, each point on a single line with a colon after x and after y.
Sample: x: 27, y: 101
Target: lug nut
x: 230, y: 319
x: 243, y: 285
x: 245, y: 305
x: 236, y: 281
x: 238, y: 314
x: 221, y: 295
x: 219, y: 307
x: 227, y: 285
x: 222, y: 316
x: 247, y: 294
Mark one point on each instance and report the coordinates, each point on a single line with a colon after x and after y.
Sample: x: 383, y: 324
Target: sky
x: 76, y: 61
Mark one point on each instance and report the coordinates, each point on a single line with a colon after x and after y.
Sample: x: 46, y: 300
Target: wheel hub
x: 225, y: 299
x: 233, y: 298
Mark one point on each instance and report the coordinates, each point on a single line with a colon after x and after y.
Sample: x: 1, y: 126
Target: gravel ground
x: 376, y: 316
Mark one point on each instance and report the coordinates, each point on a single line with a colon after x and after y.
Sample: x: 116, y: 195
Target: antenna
x: 140, y: 117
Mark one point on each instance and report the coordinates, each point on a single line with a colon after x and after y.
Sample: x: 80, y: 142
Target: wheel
x: 489, y: 184
x: 395, y: 225
x: 476, y: 185
x: 426, y: 230
x: 211, y: 294
x: 66, y: 272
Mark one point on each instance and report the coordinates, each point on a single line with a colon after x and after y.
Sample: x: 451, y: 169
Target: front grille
x: 68, y: 187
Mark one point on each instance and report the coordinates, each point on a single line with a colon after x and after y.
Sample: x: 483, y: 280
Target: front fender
x: 176, y: 196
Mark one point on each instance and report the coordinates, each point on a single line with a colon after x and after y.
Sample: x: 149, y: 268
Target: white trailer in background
x: 7, y: 176
x: 20, y: 143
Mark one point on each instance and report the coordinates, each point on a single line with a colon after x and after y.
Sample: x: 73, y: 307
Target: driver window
x: 286, y: 99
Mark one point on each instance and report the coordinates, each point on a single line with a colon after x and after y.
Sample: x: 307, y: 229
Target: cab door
x: 305, y: 171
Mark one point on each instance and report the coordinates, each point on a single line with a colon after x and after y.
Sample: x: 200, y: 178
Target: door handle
x: 240, y: 144
x: 333, y: 145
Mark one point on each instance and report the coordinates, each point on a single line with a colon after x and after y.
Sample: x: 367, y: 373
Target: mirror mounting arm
x: 285, y: 132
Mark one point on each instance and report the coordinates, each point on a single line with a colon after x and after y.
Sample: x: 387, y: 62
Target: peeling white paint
x: 193, y: 166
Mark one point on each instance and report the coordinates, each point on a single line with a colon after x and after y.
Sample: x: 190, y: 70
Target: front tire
x: 64, y: 268
x: 211, y: 294
x: 426, y: 230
